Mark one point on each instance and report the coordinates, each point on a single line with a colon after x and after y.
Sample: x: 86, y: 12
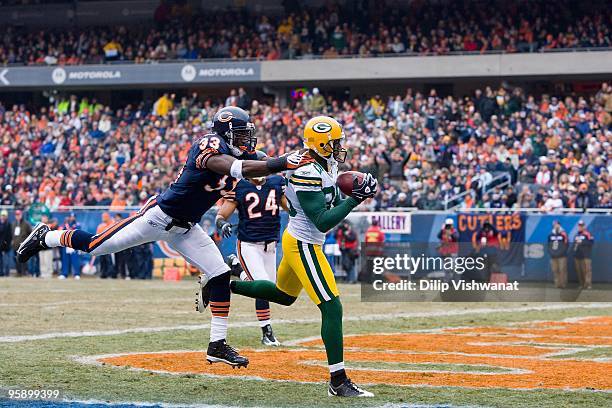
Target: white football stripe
x: 386, y: 316
x: 313, y: 271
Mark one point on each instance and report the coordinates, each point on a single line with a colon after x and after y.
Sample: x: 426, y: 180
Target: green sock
x: 262, y: 289
x: 331, y: 330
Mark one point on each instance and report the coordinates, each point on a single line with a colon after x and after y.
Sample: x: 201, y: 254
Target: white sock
x: 218, y: 328
x: 52, y: 238
x: 336, y: 367
x: 264, y: 323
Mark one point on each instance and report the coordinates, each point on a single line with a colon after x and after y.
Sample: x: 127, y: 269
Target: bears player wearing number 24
x: 215, y: 163
x: 258, y: 201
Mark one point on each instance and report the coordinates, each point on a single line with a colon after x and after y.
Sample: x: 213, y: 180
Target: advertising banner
x: 130, y: 74
x: 392, y: 222
x: 500, y: 232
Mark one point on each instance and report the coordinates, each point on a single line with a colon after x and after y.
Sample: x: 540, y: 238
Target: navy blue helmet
x: 234, y: 125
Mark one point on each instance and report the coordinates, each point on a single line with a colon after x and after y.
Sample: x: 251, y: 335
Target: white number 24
x: 271, y: 204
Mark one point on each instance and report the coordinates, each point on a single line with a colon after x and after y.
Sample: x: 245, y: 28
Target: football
x: 345, y: 181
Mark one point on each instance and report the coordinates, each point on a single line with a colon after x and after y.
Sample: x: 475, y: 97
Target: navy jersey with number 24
x: 197, y: 189
x: 259, y: 209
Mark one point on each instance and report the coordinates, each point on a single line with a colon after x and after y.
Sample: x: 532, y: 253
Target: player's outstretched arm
x: 228, y: 165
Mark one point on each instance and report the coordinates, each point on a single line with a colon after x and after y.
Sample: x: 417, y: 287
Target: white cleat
x: 202, y: 295
x: 268, y: 338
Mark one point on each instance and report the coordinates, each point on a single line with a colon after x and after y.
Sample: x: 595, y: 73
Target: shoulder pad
x: 308, y: 170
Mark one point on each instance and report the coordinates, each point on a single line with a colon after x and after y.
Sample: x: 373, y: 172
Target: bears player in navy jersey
x: 215, y: 163
x: 258, y: 201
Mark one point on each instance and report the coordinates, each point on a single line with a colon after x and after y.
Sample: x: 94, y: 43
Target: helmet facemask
x: 242, y: 138
x: 334, y: 147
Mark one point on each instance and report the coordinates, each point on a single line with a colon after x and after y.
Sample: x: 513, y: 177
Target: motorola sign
x: 130, y: 74
x: 58, y: 76
x: 213, y: 72
x: 101, y: 74
x: 224, y: 72
x: 188, y: 73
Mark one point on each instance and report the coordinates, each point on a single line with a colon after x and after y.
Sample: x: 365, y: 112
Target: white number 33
x: 210, y: 142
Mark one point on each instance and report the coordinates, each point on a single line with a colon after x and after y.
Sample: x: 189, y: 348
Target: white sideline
x: 84, y: 403
x: 440, y: 313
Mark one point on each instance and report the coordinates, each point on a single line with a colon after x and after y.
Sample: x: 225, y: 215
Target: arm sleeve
x: 313, y: 204
x: 231, y: 196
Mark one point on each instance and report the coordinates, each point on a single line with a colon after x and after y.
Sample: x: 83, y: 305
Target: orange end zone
x: 524, y: 351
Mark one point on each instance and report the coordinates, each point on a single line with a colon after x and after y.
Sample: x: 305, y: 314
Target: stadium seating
x: 496, y: 148
x: 425, y: 28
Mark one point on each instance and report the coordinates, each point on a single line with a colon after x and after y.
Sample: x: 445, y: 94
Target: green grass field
x: 46, y: 324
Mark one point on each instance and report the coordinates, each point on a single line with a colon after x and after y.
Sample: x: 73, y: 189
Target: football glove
x: 366, y: 189
x: 289, y: 161
x: 298, y: 159
x: 224, y: 228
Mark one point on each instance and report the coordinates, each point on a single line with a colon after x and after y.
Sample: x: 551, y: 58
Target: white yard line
x: 89, y: 302
x: 387, y: 316
x: 71, y: 403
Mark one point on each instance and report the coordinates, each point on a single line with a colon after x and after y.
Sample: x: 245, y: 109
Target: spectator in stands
x: 583, y: 198
x: 582, y: 247
x: 243, y: 101
x: 553, y: 203
x: 112, y: 50
x: 71, y: 260
x: 21, y: 229
x: 164, y: 104
x: 558, y: 244
x: 315, y: 101
x: 396, y: 163
x: 6, y: 236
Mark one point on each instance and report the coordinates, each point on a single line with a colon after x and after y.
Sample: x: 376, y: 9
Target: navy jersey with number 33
x: 197, y: 189
x: 259, y: 209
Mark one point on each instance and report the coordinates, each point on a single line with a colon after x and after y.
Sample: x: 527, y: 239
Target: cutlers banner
x: 503, y: 234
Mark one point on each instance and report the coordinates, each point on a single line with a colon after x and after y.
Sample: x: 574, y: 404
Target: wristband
x: 236, y: 170
x: 277, y: 164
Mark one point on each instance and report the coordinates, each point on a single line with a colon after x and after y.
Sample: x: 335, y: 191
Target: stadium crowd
x: 424, y: 28
x: 551, y: 152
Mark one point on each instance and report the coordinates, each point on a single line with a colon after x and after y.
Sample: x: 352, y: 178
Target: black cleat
x: 33, y: 244
x: 347, y: 389
x: 234, y: 264
x: 221, y: 352
x: 202, y: 295
x: 267, y: 338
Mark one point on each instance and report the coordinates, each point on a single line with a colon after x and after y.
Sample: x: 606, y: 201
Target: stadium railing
x: 340, y: 56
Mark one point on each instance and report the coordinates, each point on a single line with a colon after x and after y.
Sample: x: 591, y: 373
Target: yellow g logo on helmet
x: 324, y: 135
